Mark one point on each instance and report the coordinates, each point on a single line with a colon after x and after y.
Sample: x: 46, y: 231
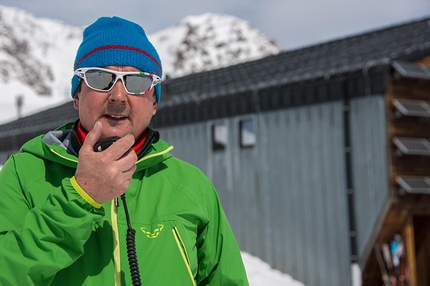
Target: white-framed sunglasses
x: 101, y: 79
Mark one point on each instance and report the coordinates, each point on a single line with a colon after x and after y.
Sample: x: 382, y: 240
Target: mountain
x: 37, y: 54
x: 36, y: 60
x: 210, y: 41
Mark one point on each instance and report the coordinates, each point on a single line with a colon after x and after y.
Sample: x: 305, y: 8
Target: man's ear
x: 76, y: 99
x: 154, y: 104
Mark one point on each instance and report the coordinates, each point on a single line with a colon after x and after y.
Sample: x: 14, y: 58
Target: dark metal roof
x: 354, y: 54
x: 406, y: 42
x: 38, y: 123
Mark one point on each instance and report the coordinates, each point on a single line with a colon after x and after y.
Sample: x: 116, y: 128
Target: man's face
x: 119, y: 112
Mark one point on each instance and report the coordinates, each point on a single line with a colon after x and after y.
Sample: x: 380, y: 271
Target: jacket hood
x: 56, y: 146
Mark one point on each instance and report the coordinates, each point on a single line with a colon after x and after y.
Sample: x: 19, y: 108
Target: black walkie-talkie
x: 131, y: 233
x: 105, y: 143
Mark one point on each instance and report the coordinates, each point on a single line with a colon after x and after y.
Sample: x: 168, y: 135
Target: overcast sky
x: 292, y: 23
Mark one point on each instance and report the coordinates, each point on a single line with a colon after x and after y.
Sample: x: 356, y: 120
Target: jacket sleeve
x: 37, y: 242
x: 220, y: 260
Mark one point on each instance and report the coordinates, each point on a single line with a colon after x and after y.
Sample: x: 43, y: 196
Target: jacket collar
x: 57, y: 146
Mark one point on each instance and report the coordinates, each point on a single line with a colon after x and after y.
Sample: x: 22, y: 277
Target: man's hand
x: 105, y: 175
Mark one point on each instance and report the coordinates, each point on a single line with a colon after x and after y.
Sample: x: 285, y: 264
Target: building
x: 320, y: 155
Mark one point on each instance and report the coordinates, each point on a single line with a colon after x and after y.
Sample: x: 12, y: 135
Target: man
x: 61, y: 222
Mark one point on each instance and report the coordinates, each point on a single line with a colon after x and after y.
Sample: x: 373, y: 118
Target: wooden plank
x: 425, y: 61
x: 409, y: 241
x: 410, y: 166
x: 409, y: 89
x: 406, y: 126
x: 399, y: 218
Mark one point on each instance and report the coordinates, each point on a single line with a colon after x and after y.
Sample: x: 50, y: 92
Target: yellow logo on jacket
x: 152, y: 231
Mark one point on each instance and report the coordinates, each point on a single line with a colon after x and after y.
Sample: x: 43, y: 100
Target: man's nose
x: 118, y: 92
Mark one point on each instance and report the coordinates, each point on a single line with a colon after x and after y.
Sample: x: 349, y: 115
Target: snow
x: 356, y: 275
x: 49, y: 47
x: 197, y: 43
x: 261, y: 274
x: 208, y: 41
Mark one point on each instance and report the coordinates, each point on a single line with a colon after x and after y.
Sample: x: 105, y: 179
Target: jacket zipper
x: 114, y: 221
x: 117, y: 259
x: 116, y: 248
x: 184, y: 253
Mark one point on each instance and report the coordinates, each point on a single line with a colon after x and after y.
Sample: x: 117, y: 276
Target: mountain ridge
x: 37, y: 54
x: 210, y: 41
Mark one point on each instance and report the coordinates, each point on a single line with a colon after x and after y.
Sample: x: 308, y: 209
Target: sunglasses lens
x: 100, y: 80
x: 103, y: 81
x: 137, y: 83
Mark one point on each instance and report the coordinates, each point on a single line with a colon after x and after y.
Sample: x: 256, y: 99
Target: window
x: 247, y: 133
x: 219, y: 137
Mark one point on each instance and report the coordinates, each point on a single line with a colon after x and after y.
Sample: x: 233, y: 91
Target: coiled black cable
x: 131, y: 248
x: 131, y: 233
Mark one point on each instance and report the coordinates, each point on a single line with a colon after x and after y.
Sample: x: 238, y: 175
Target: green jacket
x: 52, y: 235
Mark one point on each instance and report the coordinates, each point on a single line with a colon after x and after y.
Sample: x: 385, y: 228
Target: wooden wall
x: 408, y: 214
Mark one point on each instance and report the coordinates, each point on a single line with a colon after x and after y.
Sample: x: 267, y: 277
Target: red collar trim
x: 81, y: 134
x: 138, y: 145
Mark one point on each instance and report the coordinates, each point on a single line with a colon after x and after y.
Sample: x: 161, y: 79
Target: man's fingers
x: 128, y: 161
x: 122, y: 147
x: 93, y: 136
x: 117, y: 150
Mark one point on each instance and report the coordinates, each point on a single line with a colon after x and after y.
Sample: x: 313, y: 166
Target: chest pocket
x: 169, y: 248
x: 183, y: 251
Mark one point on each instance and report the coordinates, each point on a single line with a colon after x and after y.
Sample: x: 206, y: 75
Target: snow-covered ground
x: 261, y: 274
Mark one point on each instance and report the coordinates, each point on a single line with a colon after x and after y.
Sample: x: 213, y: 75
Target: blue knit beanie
x: 117, y: 42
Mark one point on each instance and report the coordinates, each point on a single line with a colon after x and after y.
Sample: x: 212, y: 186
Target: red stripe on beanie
x: 117, y: 47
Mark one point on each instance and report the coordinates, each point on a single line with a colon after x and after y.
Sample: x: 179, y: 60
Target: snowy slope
x: 261, y: 274
x: 36, y: 55
x: 36, y: 59
x: 210, y: 41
